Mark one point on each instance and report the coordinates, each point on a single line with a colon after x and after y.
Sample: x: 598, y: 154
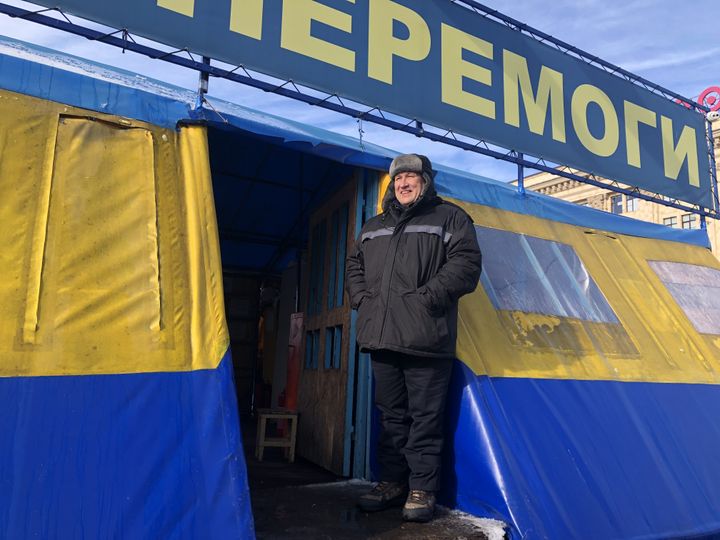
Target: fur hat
x: 412, y: 163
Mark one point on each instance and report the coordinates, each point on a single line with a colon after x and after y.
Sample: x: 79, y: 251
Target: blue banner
x: 443, y: 64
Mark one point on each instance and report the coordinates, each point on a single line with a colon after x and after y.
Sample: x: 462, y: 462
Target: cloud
x: 669, y: 59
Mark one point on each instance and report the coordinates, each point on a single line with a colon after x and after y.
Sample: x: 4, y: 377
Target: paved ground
x: 328, y: 512
x: 300, y: 501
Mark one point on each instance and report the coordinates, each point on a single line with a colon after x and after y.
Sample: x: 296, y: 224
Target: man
x: 409, y: 267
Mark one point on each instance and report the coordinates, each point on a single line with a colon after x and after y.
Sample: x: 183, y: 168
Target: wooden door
x: 323, y: 380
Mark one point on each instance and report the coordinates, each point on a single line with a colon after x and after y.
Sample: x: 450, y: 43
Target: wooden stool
x: 282, y: 442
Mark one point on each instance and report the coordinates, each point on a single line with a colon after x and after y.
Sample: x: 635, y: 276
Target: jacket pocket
x: 416, y: 326
x: 367, y: 321
x: 427, y: 300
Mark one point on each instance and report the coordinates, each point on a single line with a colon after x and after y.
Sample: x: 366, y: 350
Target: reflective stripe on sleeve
x: 387, y: 231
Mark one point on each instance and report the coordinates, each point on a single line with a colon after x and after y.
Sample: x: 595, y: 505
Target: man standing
x: 409, y: 267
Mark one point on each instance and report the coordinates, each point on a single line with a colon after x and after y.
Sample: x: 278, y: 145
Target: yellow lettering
x: 634, y: 115
x: 184, y: 7
x: 582, y: 97
x: 455, y: 69
x: 297, y: 19
x: 675, y: 155
x: 246, y: 17
x: 383, y: 45
x: 550, y: 89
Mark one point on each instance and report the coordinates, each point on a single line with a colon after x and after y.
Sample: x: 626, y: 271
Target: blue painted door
x: 358, y: 410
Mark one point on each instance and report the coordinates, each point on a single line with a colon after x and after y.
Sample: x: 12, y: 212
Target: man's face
x: 408, y: 186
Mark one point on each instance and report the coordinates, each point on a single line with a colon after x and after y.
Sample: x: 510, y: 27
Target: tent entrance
x: 286, y: 218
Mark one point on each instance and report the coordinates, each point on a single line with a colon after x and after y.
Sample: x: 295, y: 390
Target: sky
x: 672, y: 44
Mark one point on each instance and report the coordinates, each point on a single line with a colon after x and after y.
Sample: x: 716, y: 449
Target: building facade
x: 616, y: 203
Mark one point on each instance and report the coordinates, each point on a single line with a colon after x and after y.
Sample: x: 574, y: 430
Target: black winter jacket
x: 406, y: 273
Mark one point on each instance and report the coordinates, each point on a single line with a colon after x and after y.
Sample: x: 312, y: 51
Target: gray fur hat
x: 412, y: 163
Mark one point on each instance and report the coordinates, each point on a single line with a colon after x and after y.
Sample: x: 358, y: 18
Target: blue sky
x: 673, y: 44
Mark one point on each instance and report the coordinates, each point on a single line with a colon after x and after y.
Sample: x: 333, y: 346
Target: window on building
x: 670, y: 221
x: 616, y: 206
x: 689, y: 221
x: 696, y: 289
x: 631, y: 204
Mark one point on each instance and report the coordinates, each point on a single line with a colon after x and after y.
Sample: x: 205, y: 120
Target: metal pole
x: 203, y: 84
x: 301, y: 192
x: 521, y: 174
x: 713, y: 166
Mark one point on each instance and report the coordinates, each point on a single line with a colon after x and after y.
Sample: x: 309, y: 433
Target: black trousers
x: 410, y: 392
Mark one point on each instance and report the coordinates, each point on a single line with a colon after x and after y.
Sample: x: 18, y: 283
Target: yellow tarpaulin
x: 652, y: 339
x: 109, y: 260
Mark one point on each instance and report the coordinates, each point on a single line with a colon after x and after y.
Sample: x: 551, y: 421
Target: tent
x: 585, y: 394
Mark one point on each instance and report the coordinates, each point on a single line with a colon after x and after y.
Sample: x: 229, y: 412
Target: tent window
x: 696, y: 289
x: 532, y: 275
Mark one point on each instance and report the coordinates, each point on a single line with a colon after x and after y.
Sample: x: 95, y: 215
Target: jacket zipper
x: 387, y: 294
x: 395, y: 237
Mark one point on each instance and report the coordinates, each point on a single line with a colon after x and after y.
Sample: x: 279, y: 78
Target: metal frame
x: 183, y: 57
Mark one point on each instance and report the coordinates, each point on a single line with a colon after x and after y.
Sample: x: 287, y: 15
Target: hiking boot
x: 383, y: 495
x: 420, y: 506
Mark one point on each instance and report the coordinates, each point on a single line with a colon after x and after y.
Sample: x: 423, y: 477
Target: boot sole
x: 418, y: 516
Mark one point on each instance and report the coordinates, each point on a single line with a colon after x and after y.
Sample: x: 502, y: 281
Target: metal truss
x: 183, y: 57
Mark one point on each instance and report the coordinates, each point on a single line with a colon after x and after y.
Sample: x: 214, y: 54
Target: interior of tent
x: 584, y: 395
x: 285, y: 220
